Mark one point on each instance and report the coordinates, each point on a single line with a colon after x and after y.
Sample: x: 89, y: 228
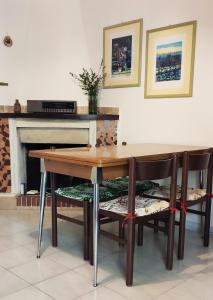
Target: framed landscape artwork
x: 170, y: 55
x: 122, y: 54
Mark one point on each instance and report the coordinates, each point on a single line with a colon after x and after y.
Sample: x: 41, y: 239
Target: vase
x: 92, y: 101
x: 17, y: 107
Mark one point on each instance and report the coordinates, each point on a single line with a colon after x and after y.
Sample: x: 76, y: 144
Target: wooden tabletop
x: 111, y: 155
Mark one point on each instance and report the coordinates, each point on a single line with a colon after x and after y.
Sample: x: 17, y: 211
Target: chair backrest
x: 140, y: 169
x: 197, y: 162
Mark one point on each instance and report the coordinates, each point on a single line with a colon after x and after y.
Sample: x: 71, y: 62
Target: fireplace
x: 27, y: 131
x: 29, y: 134
x: 33, y: 176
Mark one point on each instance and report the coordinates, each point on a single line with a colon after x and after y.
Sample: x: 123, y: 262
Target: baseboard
x: 33, y: 201
x: 12, y: 201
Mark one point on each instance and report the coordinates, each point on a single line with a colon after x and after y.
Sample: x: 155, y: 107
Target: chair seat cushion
x: 84, y: 192
x: 143, y: 206
x: 163, y: 192
x: 109, y: 189
x: 122, y: 183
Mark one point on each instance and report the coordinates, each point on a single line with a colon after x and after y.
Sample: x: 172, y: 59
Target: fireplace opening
x: 33, y: 168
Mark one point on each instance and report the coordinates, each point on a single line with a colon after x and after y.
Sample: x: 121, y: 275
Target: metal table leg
x: 96, y: 179
x: 42, y: 207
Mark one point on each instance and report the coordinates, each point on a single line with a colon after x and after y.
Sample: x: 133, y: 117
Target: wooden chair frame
x: 195, y: 162
x: 87, y: 222
x: 147, y: 170
x: 191, y: 161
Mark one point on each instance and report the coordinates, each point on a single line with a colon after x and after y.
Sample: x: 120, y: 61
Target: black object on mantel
x: 17, y: 107
x: 51, y: 106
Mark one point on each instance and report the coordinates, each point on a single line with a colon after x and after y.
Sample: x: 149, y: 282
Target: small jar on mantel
x: 17, y: 107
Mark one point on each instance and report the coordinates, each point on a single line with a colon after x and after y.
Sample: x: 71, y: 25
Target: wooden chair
x: 191, y: 197
x: 134, y: 210
x: 188, y: 197
x: 81, y: 196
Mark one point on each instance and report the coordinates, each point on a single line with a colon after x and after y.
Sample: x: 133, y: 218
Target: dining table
x: 97, y: 164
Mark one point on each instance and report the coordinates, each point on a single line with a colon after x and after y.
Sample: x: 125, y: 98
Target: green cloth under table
x: 109, y: 189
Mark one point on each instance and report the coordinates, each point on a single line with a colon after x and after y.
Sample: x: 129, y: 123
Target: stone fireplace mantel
x: 17, y: 130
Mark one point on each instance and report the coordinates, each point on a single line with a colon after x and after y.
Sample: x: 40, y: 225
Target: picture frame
x: 170, y: 53
x: 122, y: 54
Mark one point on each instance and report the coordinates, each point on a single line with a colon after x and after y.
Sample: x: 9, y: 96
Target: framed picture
x: 122, y: 54
x: 170, y: 55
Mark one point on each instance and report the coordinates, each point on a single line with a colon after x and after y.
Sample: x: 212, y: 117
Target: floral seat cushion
x: 143, y: 206
x: 163, y: 192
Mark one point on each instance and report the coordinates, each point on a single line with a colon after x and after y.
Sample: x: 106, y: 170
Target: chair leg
x: 130, y: 252
x: 121, y: 232
x: 54, y: 212
x: 170, y: 242
x: 207, y: 223
x: 140, y: 234
x: 181, y: 238
x: 86, y: 216
x: 156, y: 223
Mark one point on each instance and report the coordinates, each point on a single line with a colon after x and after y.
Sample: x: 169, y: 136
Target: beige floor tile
x: 63, y: 274
x: 71, y: 259
x: 10, y: 283
x: 67, y: 240
x: 13, y: 227
x: 137, y: 292
x: 199, y: 287
x: 67, y: 286
x: 7, y: 243
x: 38, y: 270
x: 102, y: 293
x: 46, y: 248
x: 15, y: 257
x: 108, y: 247
x: 177, y: 294
x: 107, y: 270
x: 206, y: 255
x: 24, y: 237
x: 145, y: 284
x: 166, y: 297
x: 29, y: 293
x: 208, y: 269
x: 204, y: 284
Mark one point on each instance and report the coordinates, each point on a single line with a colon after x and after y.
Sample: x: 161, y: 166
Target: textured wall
x: 106, y: 133
x: 5, y: 176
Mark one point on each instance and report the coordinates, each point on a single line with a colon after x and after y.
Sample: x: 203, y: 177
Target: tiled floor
x: 62, y: 274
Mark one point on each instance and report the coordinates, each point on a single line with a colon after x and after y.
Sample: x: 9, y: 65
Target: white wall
x: 180, y: 120
x: 49, y: 42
